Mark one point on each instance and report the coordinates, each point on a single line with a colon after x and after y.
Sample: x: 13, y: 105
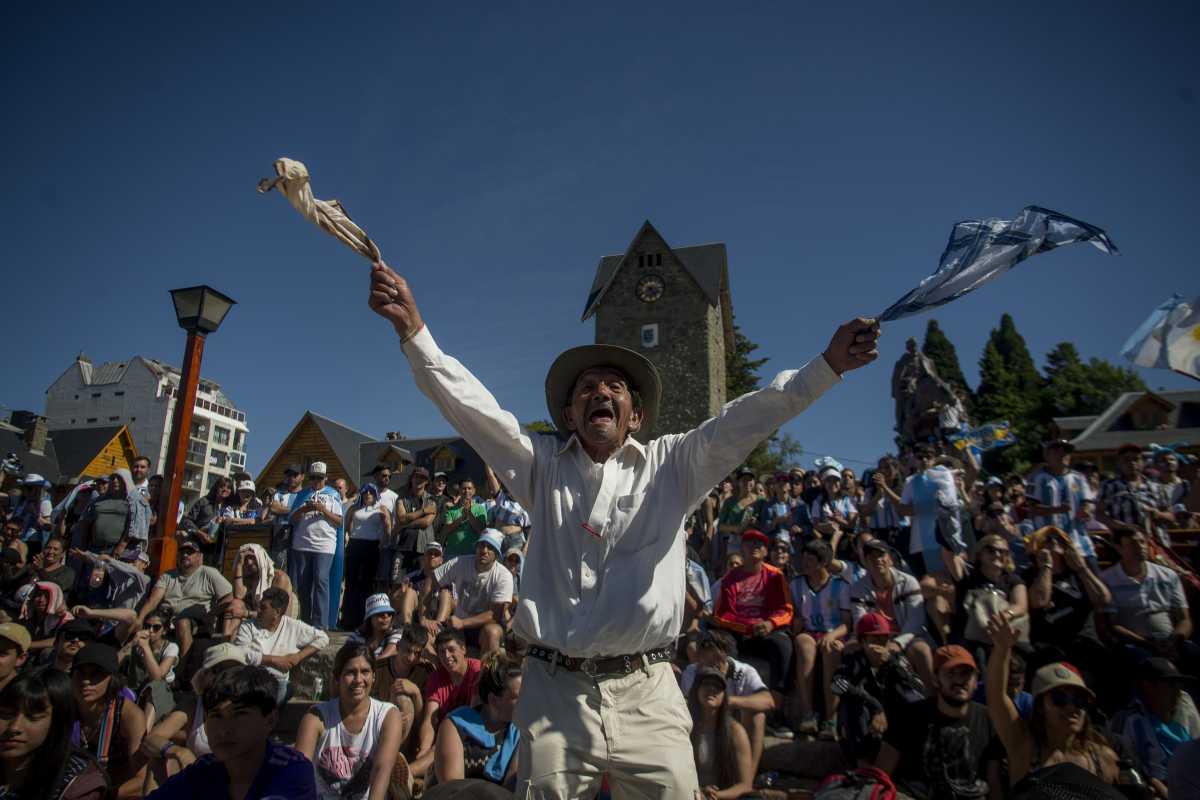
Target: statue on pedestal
x: 926, y: 406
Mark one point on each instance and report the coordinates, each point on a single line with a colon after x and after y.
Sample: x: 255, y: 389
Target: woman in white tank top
x: 352, y: 740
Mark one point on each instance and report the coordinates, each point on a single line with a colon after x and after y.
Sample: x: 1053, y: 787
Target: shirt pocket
x: 628, y: 525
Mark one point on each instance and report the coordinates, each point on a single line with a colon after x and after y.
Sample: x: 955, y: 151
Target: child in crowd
x: 822, y: 619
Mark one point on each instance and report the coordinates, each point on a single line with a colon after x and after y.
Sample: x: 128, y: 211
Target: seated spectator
x: 116, y: 582
x: 369, y: 527
x: 1059, y: 730
x: 43, y: 612
x: 455, y: 683
x: 851, y: 570
x: 180, y: 737
x: 983, y: 589
x: 68, y: 641
x: 51, y: 565
x: 514, y: 560
x: 482, y: 589
x: 878, y: 510
x: 418, y: 597
x: 724, y: 761
x: 254, y: 572
x: 822, y: 620
x: 14, y: 651
x: 240, y: 714
x: 897, y: 596
x: 14, y: 577
x: 777, y: 511
x: 1065, y: 596
x: 376, y: 631
x: 746, y: 693
x: 755, y: 606
x: 33, y: 512
x: 276, y: 641
x: 944, y: 746
x: 38, y: 759
x: 12, y: 540
x: 111, y: 725
x: 1183, y: 773
x: 462, y: 523
x: 150, y: 655
x: 480, y: 742
x: 1159, y: 720
x: 1149, y: 612
x: 732, y: 562
x: 352, y: 740
x: 833, y: 513
x: 400, y: 680
x: 875, y: 683
x: 779, y: 555
x: 190, y: 585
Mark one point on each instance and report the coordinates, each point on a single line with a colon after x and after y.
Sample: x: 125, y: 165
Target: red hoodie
x: 747, y: 598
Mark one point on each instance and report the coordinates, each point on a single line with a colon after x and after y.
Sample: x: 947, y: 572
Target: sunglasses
x: 78, y: 637
x: 154, y: 627
x: 188, y: 551
x: 1070, y: 697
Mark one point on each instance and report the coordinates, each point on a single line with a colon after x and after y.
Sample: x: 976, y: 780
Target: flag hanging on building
x: 980, y: 251
x: 1169, y: 338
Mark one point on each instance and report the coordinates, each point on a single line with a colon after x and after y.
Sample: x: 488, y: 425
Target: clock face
x: 650, y: 288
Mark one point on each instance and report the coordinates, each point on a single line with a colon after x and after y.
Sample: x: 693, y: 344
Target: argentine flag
x: 1169, y: 338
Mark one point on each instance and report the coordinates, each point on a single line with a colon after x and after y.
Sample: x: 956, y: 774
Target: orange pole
x: 162, y: 549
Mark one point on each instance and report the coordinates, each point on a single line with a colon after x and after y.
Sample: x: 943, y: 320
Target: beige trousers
x: 574, y: 729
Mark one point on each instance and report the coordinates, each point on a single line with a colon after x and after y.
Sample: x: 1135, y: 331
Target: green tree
x: 540, y: 426
x: 943, y: 355
x: 741, y: 376
x: 1010, y: 388
x: 1075, y: 388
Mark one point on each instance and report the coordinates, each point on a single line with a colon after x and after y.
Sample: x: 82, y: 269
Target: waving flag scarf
x: 980, y: 251
x: 1169, y: 338
x: 291, y: 178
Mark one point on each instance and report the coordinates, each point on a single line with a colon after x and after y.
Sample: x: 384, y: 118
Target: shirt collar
x: 637, y: 446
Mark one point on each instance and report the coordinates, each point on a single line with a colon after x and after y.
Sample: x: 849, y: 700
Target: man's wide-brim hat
x: 642, y: 375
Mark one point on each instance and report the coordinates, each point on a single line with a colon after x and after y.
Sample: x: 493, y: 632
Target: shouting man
x: 602, y: 593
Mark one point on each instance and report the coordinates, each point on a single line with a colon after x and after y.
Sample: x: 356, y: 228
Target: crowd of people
x: 960, y: 636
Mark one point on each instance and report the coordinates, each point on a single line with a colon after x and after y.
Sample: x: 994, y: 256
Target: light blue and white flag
x: 981, y: 250
x: 1169, y: 338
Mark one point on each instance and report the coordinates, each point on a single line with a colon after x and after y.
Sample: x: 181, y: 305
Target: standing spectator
x: 505, y: 514
x: 1130, y: 499
x: 276, y: 641
x: 105, y: 523
x: 945, y: 746
x: 1159, y: 720
x: 1058, y: 494
x: 463, y: 522
x: 1171, y: 486
x: 875, y: 684
x: 369, y: 527
x: 480, y: 742
x: 203, y: 519
x: 191, y: 587
x: 416, y: 513
x: 878, y: 509
x: 738, y: 514
x: 240, y: 713
x: 139, y: 471
x: 376, y: 631
x: 12, y: 540
x: 440, y: 491
x: 381, y: 476
x: 1149, y: 613
x: 34, y: 511
x: 745, y: 691
x: 454, y: 683
x: 821, y: 622
x: 755, y: 605
x: 111, y: 725
x: 14, y: 651
x: 720, y: 745
x: 777, y: 511
x: 482, y: 589
x: 897, y: 596
x: 1059, y: 730
x: 352, y: 739
x: 316, y: 519
x: 51, y: 565
x: 927, y: 496
x: 279, y: 511
x: 244, y: 508
x: 38, y: 759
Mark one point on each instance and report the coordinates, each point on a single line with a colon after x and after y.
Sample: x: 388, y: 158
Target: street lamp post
x: 200, y: 310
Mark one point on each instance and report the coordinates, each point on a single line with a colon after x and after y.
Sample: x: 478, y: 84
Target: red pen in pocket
x: 592, y: 531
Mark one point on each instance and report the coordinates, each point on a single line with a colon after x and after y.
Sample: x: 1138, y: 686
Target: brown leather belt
x: 611, y: 666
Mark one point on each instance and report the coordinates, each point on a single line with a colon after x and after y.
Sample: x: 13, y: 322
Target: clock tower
x: 671, y: 305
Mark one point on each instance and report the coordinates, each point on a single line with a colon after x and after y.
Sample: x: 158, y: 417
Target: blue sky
x: 495, y: 152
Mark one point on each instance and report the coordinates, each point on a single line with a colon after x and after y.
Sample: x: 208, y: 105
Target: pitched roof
x: 345, y: 441
x: 76, y: 447
x: 706, y: 263
x: 371, y: 453
x: 12, y: 440
x: 1183, y: 422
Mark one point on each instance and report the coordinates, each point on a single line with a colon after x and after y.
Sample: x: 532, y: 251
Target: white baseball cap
x: 379, y: 604
x: 317, y: 468
x: 245, y: 486
x: 493, y: 539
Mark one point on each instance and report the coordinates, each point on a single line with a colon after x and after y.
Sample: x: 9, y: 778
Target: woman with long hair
x: 352, y: 739
x: 150, y: 655
x: 110, y: 726
x: 43, y: 611
x: 833, y: 513
x: 203, y: 518
x: 879, y: 512
x: 377, y: 632
x: 720, y: 745
x: 369, y: 528
x: 37, y: 759
x: 1059, y: 731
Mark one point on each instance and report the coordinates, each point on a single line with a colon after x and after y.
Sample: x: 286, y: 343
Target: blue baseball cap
x: 493, y: 539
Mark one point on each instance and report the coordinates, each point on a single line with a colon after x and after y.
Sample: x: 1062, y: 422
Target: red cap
x: 950, y: 656
x: 873, y: 624
x: 756, y: 535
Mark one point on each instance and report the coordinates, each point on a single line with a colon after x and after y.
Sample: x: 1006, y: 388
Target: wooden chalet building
x: 1141, y: 418
x: 91, y: 452
x: 318, y: 438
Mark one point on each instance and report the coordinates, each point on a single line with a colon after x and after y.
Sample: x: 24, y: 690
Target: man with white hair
x: 602, y: 590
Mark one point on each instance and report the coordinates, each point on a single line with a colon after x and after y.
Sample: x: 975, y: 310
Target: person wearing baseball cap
x: 607, y: 506
x: 738, y: 512
x: 14, y: 650
x: 1059, y: 729
x: 416, y: 515
x: 1159, y: 719
x: 484, y: 589
x: 712, y: 720
x: 316, y: 518
x: 413, y: 596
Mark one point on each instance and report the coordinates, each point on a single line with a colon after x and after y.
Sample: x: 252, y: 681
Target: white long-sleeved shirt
x: 290, y: 636
x: 621, y: 590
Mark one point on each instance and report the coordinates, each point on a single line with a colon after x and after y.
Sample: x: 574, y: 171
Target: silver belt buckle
x: 588, y: 667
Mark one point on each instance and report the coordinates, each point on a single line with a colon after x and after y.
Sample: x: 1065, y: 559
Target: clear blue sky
x: 496, y: 151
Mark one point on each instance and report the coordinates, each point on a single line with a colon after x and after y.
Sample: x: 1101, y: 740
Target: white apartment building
x: 141, y: 394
